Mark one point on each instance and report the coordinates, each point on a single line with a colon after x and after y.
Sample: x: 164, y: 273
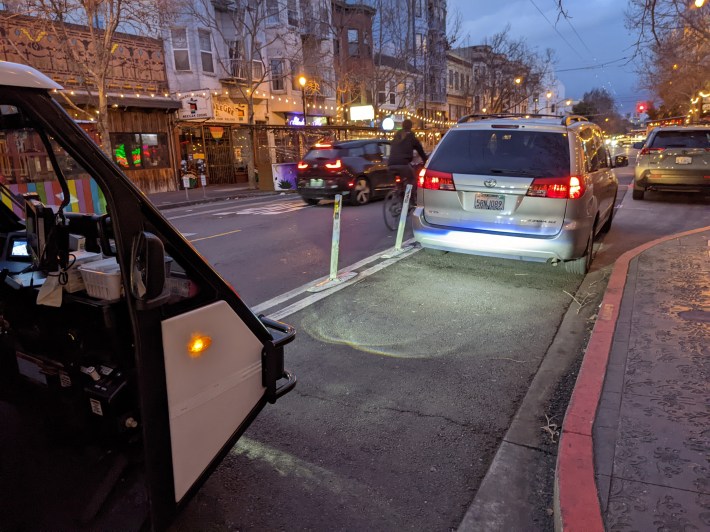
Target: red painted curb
x: 577, y: 501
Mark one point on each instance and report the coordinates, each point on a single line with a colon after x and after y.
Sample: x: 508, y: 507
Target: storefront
x: 214, y: 139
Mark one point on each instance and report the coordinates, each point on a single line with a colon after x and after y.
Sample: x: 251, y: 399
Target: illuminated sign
x: 362, y: 112
x: 296, y: 120
x: 225, y: 110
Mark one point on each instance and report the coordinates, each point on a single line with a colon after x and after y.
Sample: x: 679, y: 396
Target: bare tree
x: 396, y: 49
x: 93, y: 57
x: 506, y: 71
x: 239, y: 27
x: 673, y: 49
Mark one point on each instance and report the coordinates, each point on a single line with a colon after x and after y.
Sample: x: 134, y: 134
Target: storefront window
x: 140, y: 151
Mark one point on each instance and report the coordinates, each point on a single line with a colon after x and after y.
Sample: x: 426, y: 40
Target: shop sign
x: 295, y: 120
x: 195, y: 106
x: 225, y: 110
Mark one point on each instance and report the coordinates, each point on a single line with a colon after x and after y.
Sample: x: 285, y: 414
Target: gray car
x: 537, y: 189
x: 674, y: 158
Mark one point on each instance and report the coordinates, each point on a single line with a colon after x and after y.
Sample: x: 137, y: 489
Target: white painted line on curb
x: 270, y: 303
x: 303, y: 303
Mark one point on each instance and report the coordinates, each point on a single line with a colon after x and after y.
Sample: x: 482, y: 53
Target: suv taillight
x: 557, y: 187
x: 433, y: 180
x: 302, y: 165
x: 336, y: 165
x: 647, y: 151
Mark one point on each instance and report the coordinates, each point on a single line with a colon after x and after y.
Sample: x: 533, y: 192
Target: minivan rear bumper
x: 568, y: 244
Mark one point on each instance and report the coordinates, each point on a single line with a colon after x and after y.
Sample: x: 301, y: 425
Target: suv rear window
x: 682, y: 139
x: 508, y: 152
x: 323, y: 153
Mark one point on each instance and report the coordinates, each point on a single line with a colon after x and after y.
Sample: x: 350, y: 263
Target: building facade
x: 139, y: 100
x: 458, y: 90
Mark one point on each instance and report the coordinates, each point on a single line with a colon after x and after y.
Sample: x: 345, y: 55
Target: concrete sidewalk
x: 210, y: 193
x: 635, y: 447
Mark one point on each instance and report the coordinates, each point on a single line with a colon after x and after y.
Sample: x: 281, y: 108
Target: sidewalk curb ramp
x: 576, y: 501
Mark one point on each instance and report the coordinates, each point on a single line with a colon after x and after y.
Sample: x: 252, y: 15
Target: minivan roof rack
x: 571, y: 119
x: 488, y: 116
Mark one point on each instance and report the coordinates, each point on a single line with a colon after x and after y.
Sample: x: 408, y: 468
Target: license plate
x: 317, y: 182
x: 683, y: 160
x: 489, y: 202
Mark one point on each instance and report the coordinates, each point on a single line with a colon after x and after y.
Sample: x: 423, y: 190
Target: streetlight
x: 518, y: 80
x: 302, y: 82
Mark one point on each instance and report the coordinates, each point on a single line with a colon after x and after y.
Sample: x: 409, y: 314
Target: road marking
x: 223, y: 213
x: 216, y: 236
x: 303, y: 303
x: 283, y: 208
x: 261, y: 307
x: 194, y: 212
x: 265, y: 305
x: 188, y: 234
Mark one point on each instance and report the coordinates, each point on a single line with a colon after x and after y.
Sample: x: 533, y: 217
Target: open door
x: 153, y: 368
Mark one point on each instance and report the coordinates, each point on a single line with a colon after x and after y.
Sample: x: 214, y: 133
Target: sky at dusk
x: 594, y: 36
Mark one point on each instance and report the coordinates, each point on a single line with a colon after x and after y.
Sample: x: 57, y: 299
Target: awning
x: 143, y: 102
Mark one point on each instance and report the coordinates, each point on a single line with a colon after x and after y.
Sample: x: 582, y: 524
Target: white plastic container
x: 74, y: 280
x: 102, y: 278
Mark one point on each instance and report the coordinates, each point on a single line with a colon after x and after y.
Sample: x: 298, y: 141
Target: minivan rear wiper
x: 512, y: 172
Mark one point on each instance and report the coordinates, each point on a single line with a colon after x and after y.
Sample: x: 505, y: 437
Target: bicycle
x: 392, y: 207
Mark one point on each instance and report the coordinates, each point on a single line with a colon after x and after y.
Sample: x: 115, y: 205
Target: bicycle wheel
x: 392, y: 208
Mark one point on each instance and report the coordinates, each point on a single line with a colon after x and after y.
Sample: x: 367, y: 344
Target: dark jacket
x: 403, y: 146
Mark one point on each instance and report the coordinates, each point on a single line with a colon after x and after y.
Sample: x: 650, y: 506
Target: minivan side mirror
x: 621, y: 160
x: 637, y: 145
x: 147, y: 274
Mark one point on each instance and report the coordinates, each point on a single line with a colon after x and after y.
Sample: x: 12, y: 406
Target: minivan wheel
x: 581, y: 265
x: 637, y: 193
x: 360, y: 194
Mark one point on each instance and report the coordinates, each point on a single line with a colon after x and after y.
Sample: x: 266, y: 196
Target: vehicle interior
x: 70, y: 415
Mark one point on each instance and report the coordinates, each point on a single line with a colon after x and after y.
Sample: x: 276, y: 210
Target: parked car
x: 536, y: 189
x: 355, y: 168
x: 674, y: 158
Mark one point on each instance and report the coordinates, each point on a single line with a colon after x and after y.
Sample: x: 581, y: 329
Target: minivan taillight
x: 434, y: 180
x: 557, y: 187
x: 647, y: 151
x: 337, y: 165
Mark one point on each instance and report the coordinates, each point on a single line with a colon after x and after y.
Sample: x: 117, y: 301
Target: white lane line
x: 186, y: 235
x: 265, y: 305
x: 303, y: 303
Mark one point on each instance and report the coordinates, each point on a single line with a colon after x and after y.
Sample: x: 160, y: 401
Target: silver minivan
x: 537, y: 189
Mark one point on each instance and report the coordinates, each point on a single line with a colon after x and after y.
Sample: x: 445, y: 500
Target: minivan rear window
x: 682, y: 139
x: 505, y: 152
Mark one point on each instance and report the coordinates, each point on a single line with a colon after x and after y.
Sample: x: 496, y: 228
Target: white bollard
x: 398, y: 249
x: 333, y: 278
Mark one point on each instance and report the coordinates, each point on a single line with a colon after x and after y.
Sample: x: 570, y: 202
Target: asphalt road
x: 267, y: 246
x: 408, y: 379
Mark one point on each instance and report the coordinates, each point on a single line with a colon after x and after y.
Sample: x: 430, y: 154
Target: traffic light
x: 641, y: 107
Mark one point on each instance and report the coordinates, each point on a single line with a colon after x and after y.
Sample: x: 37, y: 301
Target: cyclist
x: 403, y: 146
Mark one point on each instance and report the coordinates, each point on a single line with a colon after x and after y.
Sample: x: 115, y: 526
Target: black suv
x: 355, y: 168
